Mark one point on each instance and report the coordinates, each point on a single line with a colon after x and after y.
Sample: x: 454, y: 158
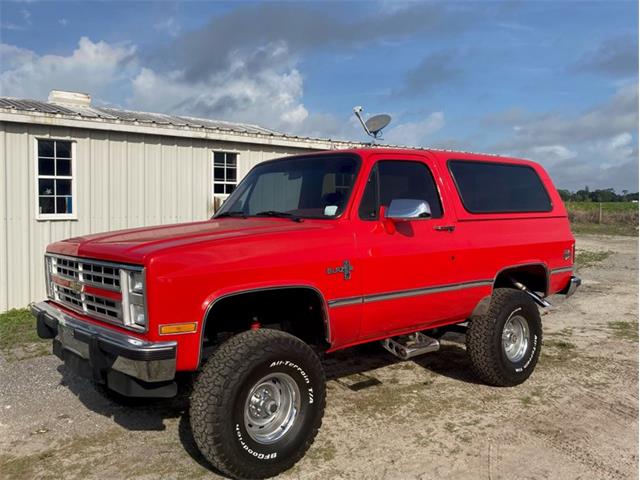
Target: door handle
x: 445, y: 228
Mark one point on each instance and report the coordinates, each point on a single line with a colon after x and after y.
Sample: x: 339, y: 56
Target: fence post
x: 600, y: 213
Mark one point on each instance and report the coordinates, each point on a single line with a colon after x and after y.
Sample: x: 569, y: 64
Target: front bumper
x: 126, y: 364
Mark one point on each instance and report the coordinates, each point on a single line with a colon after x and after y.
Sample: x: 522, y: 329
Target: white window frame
x: 73, y: 177
x: 222, y: 196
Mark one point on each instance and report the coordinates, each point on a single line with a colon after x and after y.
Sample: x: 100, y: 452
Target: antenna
x: 374, y: 125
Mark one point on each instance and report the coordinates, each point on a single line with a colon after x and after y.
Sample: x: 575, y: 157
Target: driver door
x: 405, y: 262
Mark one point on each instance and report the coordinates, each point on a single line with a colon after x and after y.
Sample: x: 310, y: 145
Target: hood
x: 133, y: 245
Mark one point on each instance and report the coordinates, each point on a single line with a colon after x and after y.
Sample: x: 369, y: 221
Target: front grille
x: 103, y: 306
x: 74, y: 274
x: 66, y: 295
x: 92, y: 305
x: 87, y: 272
x: 101, y: 275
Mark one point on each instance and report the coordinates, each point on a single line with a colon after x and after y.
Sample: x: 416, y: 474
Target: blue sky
x: 556, y: 82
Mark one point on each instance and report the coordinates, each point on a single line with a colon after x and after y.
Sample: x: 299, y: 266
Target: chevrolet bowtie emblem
x: 76, y: 287
x: 345, y: 269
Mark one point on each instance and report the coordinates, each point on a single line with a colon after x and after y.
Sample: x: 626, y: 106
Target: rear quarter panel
x: 491, y: 242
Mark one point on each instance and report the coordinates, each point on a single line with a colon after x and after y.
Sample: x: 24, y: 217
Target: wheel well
x: 534, y: 277
x: 296, y: 310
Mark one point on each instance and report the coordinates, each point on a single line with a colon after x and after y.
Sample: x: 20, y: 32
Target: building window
x: 55, y: 179
x: 224, y: 172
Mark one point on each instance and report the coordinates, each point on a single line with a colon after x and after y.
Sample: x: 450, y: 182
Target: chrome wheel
x: 272, y: 408
x: 515, y: 338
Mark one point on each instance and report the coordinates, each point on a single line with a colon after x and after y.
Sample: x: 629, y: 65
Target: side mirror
x: 408, y: 209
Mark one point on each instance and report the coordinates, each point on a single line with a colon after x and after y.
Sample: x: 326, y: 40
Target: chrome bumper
x: 126, y: 364
x: 572, y: 286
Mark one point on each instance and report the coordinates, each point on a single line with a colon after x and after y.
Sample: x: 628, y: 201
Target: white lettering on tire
x: 250, y: 451
x: 287, y: 363
x: 533, y: 351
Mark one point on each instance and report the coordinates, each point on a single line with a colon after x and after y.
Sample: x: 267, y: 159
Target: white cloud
x: 263, y: 85
x: 268, y: 92
x: 554, y: 153
x: 92, y: 68
x: 259, y: 85
x: 596, y: 147
x: 622, y: 141
x: 26, y: 15
x: 169, y: 26
x: 13, y: 57
x: 614, y: 151
x: 415, y: 134
x: 618, y: 114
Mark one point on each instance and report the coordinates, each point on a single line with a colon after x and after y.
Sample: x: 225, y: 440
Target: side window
x: 55, y: 179
x: 369, y: 204
x: 393, y: 179
x: 487, y: 187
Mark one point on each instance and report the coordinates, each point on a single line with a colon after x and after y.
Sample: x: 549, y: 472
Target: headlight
x: 138, y: 315
x: 134, y: 311
x: 136, y: 283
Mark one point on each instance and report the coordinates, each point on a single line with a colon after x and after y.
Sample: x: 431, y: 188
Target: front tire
x: 258, y: 403
x: 504, y: 344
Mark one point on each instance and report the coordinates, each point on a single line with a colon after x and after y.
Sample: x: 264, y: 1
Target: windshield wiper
x: 275, y: 213
x: 236, y: 213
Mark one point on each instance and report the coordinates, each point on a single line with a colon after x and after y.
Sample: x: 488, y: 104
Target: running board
x: 409, y: 346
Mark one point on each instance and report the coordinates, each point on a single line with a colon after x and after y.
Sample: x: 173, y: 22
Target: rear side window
x: 395, y: 179
x: 487, y: 187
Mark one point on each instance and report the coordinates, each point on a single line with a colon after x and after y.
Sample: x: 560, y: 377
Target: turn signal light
x: 172, y: 328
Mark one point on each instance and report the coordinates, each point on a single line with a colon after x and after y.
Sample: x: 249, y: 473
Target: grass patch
x: 58, y: 461
x: 609, y: 207
x: 527, y: 401
x: 617, y: 218
x: 450, y: 427
x: 624, y: 330
x: 565, y: 332
x: 557, y: 352
x: 18, y: 337
x: 587, y: 258
x: 533, y: 398
x: 322, y: 452
x: 560, y: 344
x: 627, y: 230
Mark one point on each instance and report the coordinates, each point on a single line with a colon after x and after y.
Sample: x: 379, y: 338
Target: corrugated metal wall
x: 123, y: 180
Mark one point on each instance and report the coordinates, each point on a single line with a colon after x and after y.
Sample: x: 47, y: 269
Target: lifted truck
x: 309, y: 255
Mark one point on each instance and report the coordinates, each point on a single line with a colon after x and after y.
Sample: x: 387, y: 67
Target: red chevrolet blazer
x: 309, y: 255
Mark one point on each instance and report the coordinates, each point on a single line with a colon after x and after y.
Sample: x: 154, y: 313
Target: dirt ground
x: 576, y: 417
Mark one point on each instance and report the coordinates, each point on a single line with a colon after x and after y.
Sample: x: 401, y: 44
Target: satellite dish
x: 374, y: 125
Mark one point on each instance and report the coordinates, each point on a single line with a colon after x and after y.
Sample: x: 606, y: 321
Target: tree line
x: 600, y: 195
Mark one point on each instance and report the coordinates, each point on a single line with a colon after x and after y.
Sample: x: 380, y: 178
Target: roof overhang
x: 203, y: 133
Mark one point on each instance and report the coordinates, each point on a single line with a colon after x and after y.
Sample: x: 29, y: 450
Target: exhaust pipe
x: 536, y: 298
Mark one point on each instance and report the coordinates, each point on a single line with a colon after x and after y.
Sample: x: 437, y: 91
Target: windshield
x: 302, y: 187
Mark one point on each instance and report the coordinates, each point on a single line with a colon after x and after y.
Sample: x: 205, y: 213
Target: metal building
x: 68, y: 168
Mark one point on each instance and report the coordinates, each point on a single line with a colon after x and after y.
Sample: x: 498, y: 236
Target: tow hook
x: 536, y: 298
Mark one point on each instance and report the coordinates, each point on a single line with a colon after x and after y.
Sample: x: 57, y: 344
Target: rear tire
x: 258, y: 403
x: 504, y: 344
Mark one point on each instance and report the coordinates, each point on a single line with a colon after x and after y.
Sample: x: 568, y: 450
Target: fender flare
x: 483, y: 305
x: 324, y: 306
x: 542, y: 264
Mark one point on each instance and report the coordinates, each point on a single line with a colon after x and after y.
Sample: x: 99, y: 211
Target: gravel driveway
x: 576, y: 417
